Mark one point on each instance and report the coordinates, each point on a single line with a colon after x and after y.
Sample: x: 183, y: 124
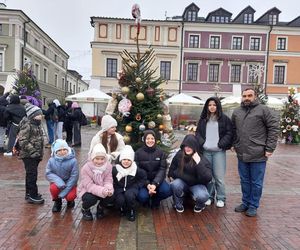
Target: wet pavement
x: 277, y: 225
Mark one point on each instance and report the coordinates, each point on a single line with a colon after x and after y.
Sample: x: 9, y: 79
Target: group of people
x: 115, y: 174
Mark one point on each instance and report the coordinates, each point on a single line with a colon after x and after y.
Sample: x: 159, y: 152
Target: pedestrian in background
x: 3, y: 121
x: 50, y: 119
x: 31, y: 142
x: 96, y: 184
x: 68, y: 124
x: 154, y: 161
x: 128, y: 179
x: 76, y: 118
x: 62, y: 173
x: 190, y: 173
x: 58, y: 126
x: 112, y: 141
x: 255, y: 130
x: 214, y: 132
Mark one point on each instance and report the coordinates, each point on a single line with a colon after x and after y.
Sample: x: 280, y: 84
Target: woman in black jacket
x: 153, y: 160
x: 190, y: 172
x: 214, y: 132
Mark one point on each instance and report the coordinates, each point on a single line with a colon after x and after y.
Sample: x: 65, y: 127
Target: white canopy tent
x: 183, y: 99
x: 92, y: 101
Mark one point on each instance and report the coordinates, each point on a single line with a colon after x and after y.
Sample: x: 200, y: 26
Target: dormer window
x: 220, y: 19
x: 191, y: 15
x: 248, y: 18
x: 272, y: 19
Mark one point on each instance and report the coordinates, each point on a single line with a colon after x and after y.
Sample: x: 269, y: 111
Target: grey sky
x: 68, y: 21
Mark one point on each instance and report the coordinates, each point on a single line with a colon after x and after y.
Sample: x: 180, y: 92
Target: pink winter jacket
x: 95, y: 182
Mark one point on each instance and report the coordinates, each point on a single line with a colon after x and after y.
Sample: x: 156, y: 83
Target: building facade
x: 23, y: 42
x: 75, y: 84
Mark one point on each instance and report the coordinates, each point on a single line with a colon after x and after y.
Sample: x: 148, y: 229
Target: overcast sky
x: 68, y: 21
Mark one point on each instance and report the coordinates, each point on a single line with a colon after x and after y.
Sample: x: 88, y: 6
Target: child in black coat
x: 128, y: 179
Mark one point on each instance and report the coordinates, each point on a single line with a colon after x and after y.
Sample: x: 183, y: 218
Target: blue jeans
x: 50, y: 128
x: 216, y: 187
x: 252, y: 178
x: 180, y: 188
x: 163, y: 191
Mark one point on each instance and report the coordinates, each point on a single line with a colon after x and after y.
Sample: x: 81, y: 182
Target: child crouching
x: 62, y: 173
x: 128, y: 179
x: 96, y: 183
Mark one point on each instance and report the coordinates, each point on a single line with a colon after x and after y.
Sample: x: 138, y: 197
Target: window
x: 248, y: 18
x: 70, y: 87
x: 1, y: 29
x: 45, y: 76
x: 55, y: 80
x: 194, y: 41
x: 235, y: 73
x: 1, y: 61
x: 111, y: 67
x: 220, y: 19
x: 237, y: 43
x: 214, y: 42
x: 253, y: 78
x: 63, y: 83
x: 192, y: 71
x: 272, y: 19
x: 255, y: 43
x: 213, y: 73
x: 37, y: 71
x: 26, y: 37
x: 63, y: 63
x: 165, y: 70
x: 279, y: 74
x: 281, y: 43
x: 191, y: 16
x: 55, y: 58
x: 44, y: 50
x: 74, y: 89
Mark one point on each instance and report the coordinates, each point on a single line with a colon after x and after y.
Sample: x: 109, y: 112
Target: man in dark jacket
x: 49, y: 113
x: 255, y: 130
x: 13, y: 114
x: 3, y: 122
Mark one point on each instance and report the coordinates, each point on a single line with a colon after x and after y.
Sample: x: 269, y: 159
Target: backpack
x: 54, y: 116
x: 83, y: 120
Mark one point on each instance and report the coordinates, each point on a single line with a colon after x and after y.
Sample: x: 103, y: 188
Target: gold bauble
x: 133, y: 64
x: 126, y: 139
x: 140, y: 96
x: 151, y: 124
x: 159, y: 116
x: 128, y: 128
x: 147, y: 50
x: 125, y: 90
x: 161, y: 127
x: 138, y: 80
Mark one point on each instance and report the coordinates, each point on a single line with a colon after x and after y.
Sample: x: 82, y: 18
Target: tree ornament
x: 126, y: 139
x: 125, y: 90
x: 151, y: 124
x: 142, y: 127
x: 124, y: 107
x: 128, y: 128
x: 150, y: 91
x: 133, y: 64
x: 138, y: 80
x: 159, y: 116
x: 147, y: 51
x: 112, y: 104
x: 161, y: 127
x: 138, y: 117
x: 140, y: 96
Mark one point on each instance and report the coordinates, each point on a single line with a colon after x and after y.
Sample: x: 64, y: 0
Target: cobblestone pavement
x: 277, y: 226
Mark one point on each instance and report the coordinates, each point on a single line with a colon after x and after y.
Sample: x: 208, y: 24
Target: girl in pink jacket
x: 96, y: 183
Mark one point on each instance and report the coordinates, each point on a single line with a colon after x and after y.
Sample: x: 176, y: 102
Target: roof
x: 274, y: 9
x: 218, y: 10
x: 243, y: 11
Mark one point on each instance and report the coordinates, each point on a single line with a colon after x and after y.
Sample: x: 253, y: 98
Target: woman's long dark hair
x: 113, y: 144
x: 205, y: 112
x: 185, y: 161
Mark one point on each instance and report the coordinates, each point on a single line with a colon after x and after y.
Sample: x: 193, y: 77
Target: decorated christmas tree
x: 289, y: 122
x: 139, y: 103
x: 27, y: 85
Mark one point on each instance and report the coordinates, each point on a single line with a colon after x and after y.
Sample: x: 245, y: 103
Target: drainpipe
x: 181, y: 57
x: 267, y: 60
x: 24, y: 46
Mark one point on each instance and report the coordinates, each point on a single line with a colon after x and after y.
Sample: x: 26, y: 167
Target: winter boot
x: 100, y: 212
x: 86, y: 214
x: 70, y: 204
x: 131, y: 215
x: 57, y: 206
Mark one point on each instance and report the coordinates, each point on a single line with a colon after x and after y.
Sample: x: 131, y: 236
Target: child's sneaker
x: 179, y: 208
x: 86, y: 214
x: 57, y: 206
x: 70, y: 204
x: 131, y: 215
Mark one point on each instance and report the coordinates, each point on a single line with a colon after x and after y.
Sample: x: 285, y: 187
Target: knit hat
x: 74, y: 105
x: 148, y: 132
x: 98, y: 150
x: 56, y: 102
x: 14, y: 99
x: 127, y: 153
x: 59, y: 144
x: 108, y: 122
x: 32, y: 110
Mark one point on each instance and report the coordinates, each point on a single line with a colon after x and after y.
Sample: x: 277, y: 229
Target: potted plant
x: 94, y: 121
x: 183, y: 124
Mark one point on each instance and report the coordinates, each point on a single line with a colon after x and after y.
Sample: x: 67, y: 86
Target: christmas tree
x: 27, y: 85
x: 289, y: 122
x: 140, y: 101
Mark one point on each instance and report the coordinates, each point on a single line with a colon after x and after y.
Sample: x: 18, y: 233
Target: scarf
x: 123, y: 172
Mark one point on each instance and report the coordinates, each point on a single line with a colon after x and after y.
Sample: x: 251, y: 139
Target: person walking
x: 153, y: 160
x: 62, y: 173
x: 255, y: 131
x: 190, y: 173
x: 214, y: 132
x: 3, y: 122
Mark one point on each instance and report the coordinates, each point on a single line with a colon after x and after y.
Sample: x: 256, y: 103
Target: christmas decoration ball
x: 138, y: 117
x: 138, y: 80
x: 159, y: 116
x: 151, y: 124
x: 161, y: 127
x: 150, y: 91
x: 125, y: 90
x: 126, y: 139
x: 128, y: 128
x: 142, y: 127
x: 140, y: 96
x: 133, y: 64
x: 147, y: 50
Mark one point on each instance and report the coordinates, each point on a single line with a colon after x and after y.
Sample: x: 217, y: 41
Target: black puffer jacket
x: 224, y: 126
x: 153, y: 161
x: 49, y: 112
x: 192, y: 173
x: 14, y: 113
x: 3, y: 104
